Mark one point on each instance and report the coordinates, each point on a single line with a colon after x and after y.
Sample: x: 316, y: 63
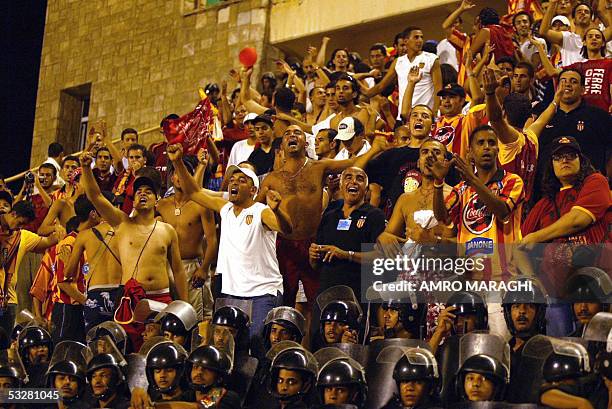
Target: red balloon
x: 248, y: 56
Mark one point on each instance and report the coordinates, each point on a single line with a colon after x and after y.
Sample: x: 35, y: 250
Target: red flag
x: 192, y: 129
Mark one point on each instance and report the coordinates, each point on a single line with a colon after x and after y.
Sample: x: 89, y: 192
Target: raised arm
x: 414, y: 75
x: 436, y: 77
x: 245, y: 97
x: 115, y: 153
x: 337, y: 166
x: 464, y: 6
x: 111, y: 214
x: 320, y: 59
x: 41, y: 191
x: 188, y: 183
x: 225, y: 109
x: 555, y: 37
x: 274, y: 217
x: 545, y: 117
x: 439, y: 169
x: 389, y: 77
x: 504, y: 131
x: 47, y: 225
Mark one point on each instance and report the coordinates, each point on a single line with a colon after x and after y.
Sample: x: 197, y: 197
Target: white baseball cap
x: 562, y: 19
x: 249, y: 117
x: 347, y: 128
x: 248, y: 172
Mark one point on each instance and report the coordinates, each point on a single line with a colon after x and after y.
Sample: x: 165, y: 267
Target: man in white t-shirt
x: 243, y: 149
x: 570, y: 43
x: 429, y: 64
x: 247, y: 247
x: 351, y: 134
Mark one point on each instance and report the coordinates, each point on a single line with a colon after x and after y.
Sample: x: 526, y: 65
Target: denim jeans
x: 261, y: 306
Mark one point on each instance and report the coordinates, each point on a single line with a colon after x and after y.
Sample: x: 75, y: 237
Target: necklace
x: 177, y: 210
x: 299, y: 170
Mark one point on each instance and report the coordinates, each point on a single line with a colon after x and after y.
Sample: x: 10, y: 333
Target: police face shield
x: 136, y: 374
x: 599, y: 327
x: 342, y: 381
x: 177, y: 319
x: 216, y: 336
x: 145, y: 308
x: 283, y: 323
x: 482, y: 343
x: 207, y: 366
x: 106, y: 367
x: 292, y: 370
x: 165, y: 366
x: 470, y: 310
x: 67, y: 370
x: 556, y: 359
x: 380, y: 374
x: 34, y: 345
x: 337, y: 293
x: 112, y: 329
x: 12, y: 367
x: 589, y: 285
x: 244, y: 306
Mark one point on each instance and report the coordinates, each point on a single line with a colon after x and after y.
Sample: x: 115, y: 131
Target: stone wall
x: 143, y: 58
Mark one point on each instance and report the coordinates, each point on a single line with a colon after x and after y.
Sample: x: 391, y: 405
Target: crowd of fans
x: 234, y: 278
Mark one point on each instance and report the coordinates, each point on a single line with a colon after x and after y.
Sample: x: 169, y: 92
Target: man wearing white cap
x: 570, y: 43
x: 351, y: 133
x: 242, y: 149
x: 247, y: 247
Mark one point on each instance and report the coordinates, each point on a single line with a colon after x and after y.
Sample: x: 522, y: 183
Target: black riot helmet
x: 559, y: 367
x: 405, y: 370
x: 490, y: 368
x: 347, y: 312
x: 110, y: 328
x: 231, y: 316
x: 533, y: 296
x: 71, y: 368
x: 412, y: 316
x: 343, y: 372
x: 30, y: 337
x: 106, y: 361
x: 293, y: 359
x: 470, y: 303
x: 209, y: 357
x: 173, y: 325
x: 163, y: 356
x: 287, y: 317
x: 589, y: 284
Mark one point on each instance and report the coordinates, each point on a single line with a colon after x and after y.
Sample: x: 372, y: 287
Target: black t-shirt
x: 366, y: 224
x: 590, y: 126
x: 397, y: 172
x: 264, y: 162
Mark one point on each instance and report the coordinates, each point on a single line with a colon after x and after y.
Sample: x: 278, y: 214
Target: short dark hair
x: 506, y: 59
x: 563, y: 71
x: 527, y: 66
x: 312, y: 90
x: 480, y: 128
x: 331, y: 133
x: 488, y: 16
x: 104, y: 148
x: 284, y: 98
x: 72, y: 224
x: 581, y: 4
x: 55, y: 149
x: 408, y: 30
x: 73, y: 158
x: 522, y: 13
x: 161, y: 124
x: 449, y: 74
x: 331, y: 84
x: 517, y: 108
x: 380, y: 47
x: 136, y: 147
x: 345, y: 77
x: 49, y: 166
x: 24, y: 209
x: 127, y: 131
x: 82, y: 208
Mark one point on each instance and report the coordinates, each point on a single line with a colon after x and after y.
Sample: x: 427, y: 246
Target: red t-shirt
x: 231, y: 135
x: 40, y: 211
x: 597, y: 81
x: 593, y: 198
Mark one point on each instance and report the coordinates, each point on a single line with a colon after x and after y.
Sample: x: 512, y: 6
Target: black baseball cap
x: 263, y: 118
x: 148, y: 176
x: 452, y: 89
x: 565, y: 142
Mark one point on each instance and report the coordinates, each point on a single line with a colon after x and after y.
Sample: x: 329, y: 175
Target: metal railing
x: 22, y: 174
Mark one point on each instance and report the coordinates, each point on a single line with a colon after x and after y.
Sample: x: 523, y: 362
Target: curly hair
x: 551, y: 184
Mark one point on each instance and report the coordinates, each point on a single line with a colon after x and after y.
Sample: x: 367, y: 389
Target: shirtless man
x: 402, y: 226
x: 300, y: 182
x: 195, y: 227
x: 104, y: 278
x: 347, y: 90
x: 145, y: 245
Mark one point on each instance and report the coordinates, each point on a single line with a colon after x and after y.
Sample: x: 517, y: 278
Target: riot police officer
x: 35, y: 350
x: 292, y: 375
x: 164, y: 370
x: 342, y: 382
x: 416, y: 377
x: 236, y: 321
x: 106, y: 376
x: 177, y: 321
x: 283, y: 324
x: 113, y: 330
x: 340, y: 322
x: 590, y: 291
x: 206, y: 368
x: 67, y: 374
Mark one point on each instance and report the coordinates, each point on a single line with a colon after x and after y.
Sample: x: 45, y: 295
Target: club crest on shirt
x: 580, y: 126
x: 412, y: 181
x: 444, y: 134
x: 361, y: 222
x: 476, y: 217
x: 249, y: 219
